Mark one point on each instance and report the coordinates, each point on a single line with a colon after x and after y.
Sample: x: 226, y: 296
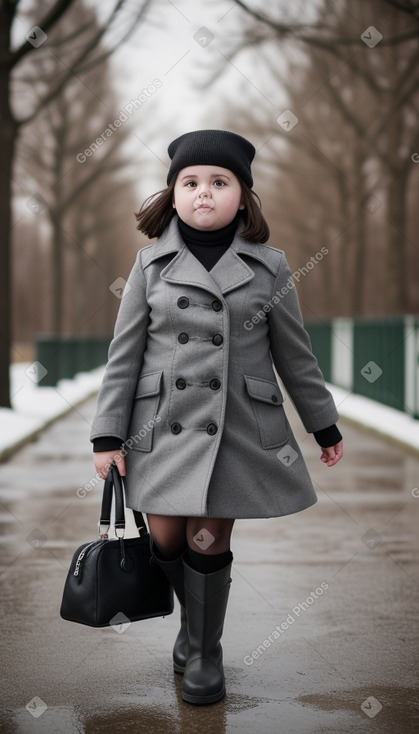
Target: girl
x: 190, y: 407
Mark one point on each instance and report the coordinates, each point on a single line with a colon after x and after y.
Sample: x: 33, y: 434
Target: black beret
x: 212, y: 148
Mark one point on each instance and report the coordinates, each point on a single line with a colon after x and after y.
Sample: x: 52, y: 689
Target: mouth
x: 204, y: 206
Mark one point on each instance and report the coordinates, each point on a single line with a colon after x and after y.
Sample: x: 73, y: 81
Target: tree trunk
x: 343, y: 244
x: 57, y: 276
x: 8, y: 134
x: 360, y: 241
x: 396, y: 245
x: 396, y: 214
x: 79, y: 273
x: 57, y: 251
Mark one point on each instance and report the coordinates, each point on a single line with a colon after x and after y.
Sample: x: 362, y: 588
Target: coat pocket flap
x: 148, y: 385
x: 264, y: 390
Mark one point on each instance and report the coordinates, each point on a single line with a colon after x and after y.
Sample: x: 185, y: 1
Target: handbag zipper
x: 82, y: 555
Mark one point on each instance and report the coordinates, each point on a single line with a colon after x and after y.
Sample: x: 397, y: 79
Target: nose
x: 204, y: 191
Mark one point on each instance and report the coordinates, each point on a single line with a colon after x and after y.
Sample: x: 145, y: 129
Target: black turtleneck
x: 208, y: 247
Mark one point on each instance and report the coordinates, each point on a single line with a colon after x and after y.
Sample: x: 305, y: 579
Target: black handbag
x: 114, y: 582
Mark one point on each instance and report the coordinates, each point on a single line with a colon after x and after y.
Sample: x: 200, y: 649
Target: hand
x: 104, y: 459
x: 331, y: 455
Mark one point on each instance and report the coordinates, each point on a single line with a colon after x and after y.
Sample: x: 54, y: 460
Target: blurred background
x: 91, y: 94
x: 328, y: 92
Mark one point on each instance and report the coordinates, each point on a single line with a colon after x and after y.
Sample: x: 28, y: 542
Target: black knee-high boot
x: 206, y: 596
x: 174, y: 570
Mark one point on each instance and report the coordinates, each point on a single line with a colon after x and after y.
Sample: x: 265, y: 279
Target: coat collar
x: 229, y: 272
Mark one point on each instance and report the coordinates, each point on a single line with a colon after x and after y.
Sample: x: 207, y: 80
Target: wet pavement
x: 321, y: 627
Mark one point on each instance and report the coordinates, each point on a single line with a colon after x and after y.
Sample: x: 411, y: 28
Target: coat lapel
x: 187, y: 270
x: 229, y: 272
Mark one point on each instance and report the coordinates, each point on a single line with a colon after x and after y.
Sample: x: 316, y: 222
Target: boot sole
x: 202, y: 700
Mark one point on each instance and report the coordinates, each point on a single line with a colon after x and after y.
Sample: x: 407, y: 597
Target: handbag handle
x: 114, y: 480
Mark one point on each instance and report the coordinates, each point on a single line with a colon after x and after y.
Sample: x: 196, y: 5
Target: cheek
x: 233, y: 200
x: 179, y: 198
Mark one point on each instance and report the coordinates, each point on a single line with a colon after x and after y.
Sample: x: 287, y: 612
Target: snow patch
x: 34, y: 406
x: 387, y: 422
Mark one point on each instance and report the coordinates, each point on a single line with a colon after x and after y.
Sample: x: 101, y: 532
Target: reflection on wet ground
x: 320, y: 633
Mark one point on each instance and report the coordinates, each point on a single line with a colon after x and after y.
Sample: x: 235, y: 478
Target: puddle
x: 38, y: 717
x: 394, y: 709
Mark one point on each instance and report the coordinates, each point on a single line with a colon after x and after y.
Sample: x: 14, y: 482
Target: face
x: 207, y: 197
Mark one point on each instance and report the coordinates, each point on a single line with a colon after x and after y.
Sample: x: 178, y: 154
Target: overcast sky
x: 182, y: 43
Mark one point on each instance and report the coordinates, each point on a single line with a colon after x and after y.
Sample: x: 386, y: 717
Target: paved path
x: 320, y: 634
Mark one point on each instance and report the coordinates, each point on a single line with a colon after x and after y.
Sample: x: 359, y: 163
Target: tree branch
x: 70, y: 71
x: 129, y: 33
x: 49, y: 21
x: 297, y: 31
x: 98, y: 170
x: 407, y: 6
x: 60, y: 42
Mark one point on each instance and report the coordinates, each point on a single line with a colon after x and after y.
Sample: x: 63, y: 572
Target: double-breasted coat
x: 190, y: 386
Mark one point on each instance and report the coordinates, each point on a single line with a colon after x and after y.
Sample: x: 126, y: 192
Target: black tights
x: 203, y: 536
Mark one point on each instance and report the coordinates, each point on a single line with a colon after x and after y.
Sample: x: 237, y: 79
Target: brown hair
x: 157, y: 211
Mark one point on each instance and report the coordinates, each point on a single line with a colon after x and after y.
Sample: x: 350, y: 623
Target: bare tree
x: 84, y: 52
x: 325, y: 33
x: 355, y: 138
x: 104, y: 230
x: 54, y: 171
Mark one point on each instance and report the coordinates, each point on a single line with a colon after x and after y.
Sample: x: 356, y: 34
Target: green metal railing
x: 379, y: 361
x: 64, y: 357
x: 376, y: 358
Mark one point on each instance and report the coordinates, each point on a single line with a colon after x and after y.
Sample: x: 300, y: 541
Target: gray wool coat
x: 190, y: 386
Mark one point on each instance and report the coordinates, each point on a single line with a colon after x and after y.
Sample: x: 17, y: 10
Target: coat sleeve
x: 125, y: 357
x: 293, y: 358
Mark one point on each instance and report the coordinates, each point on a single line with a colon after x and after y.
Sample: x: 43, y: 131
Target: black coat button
x: 215, y: 383
x: 183, y: 302
x: 176, y: 428
x: 217, y: 340
x: 183, y: 338
x: 212, y: 429
x: 274, y: 399
x: 180, y: 383
x: 217, y: 306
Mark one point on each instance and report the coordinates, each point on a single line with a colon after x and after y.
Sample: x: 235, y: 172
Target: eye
x: 190, y: 184
x: 218, y: 181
